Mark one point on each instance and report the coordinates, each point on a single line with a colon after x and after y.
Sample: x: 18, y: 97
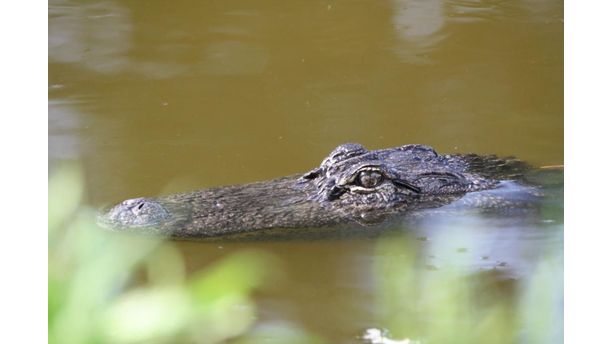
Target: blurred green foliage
x: 117, y: 288
x: 454, y: 304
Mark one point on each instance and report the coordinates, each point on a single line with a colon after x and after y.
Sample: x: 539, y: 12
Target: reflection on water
x: 96, y: 36
x: 417, y: 24
x: 160, y: 97
x: 64, y: 121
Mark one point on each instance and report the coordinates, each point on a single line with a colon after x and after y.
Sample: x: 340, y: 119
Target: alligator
x: 352, y: 185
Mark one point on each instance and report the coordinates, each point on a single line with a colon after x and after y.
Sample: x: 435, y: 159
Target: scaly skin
x: 352, y: 185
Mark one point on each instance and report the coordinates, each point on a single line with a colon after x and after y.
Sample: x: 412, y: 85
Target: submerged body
x: 352, y: 185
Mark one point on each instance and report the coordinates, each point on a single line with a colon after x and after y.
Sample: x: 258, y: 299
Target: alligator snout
x: 137, y: 212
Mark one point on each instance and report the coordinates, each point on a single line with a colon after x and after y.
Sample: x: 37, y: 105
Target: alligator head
x: 352, y: 184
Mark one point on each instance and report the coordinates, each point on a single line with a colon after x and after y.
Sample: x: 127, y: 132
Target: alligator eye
x: 369, y: 179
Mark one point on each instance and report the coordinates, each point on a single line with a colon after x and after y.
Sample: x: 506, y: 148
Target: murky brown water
x: 159, y: 97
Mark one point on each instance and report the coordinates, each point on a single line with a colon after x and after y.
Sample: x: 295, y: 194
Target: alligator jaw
x: 280, y: 203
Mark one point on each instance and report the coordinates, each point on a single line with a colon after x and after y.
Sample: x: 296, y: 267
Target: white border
x: 588, y: 60
x: 23, y: 149
x: 588, y: 240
